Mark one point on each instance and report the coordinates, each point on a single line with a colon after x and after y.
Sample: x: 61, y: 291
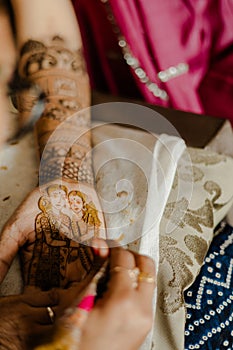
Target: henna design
x: 60, y: 74
x: 57, y: 255
x: 74, y: 163
x: 86, y: 258
x: 59, y: 168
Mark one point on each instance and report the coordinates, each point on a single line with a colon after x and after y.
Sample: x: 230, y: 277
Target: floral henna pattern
x: 61, y: 161
x: 60, y: 76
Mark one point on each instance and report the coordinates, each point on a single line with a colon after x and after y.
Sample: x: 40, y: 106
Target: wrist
x: 66, y: 154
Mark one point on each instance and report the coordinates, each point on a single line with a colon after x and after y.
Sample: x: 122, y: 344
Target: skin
x: 19, y: 234
x: 108, y: 326
x: 7, y: 65
x: 24, y: 319
x: 123, y: 317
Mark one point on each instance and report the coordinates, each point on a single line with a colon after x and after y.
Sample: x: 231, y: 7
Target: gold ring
x: 51, y: 314
x: 133, y: 273
x: 146, y: 277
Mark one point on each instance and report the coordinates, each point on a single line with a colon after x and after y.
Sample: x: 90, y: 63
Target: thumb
x: 9, y: 245
x: 33, y: 296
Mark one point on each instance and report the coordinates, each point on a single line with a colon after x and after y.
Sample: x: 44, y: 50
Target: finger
x: 121, y: 257
x: 43, y: 315
x: 8, y: 249
x: 121, y: 264
x: 36, y: 298
x: 146, y: 278
x: 71, y: 296
x: 40, y: 334
x: 100, y: 247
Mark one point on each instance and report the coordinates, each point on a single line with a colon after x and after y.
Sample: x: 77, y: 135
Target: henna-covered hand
x: 53, y: 229
x: 55, y: 220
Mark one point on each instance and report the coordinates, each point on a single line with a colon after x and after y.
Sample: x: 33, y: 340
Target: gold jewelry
x: 146, y: 277
x: 133, y: 273
x: 51, y: 314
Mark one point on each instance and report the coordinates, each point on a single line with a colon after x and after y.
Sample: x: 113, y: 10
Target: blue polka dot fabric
x: 209, y: 301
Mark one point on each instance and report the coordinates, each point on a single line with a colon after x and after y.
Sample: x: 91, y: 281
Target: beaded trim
x: 139, y: 71
x: 133, y: 62
x: 173, y: 72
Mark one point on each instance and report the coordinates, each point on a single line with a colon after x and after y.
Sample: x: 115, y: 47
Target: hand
x: 24, y: 318
x: 48, y: 224
x: 123, y: 317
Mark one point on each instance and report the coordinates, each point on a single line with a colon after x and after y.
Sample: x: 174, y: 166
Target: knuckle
x: 54, y: 296
x: 123, y: 257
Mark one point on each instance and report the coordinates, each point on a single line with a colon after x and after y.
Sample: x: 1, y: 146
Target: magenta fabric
x: 162, y: 34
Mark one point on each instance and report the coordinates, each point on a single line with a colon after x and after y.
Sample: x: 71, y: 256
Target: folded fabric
x: 145, y: 164
x: 186, y: 232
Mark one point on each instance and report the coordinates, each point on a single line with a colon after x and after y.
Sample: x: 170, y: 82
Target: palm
x: 48, y: 228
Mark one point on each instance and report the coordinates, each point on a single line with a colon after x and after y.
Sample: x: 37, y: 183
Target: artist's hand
x: 49, y: 219
x: 123, y: 317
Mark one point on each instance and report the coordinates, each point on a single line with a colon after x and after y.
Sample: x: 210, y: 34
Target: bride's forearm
x: 51, y: 58
x: 63, y: 130
x: 41, y: 19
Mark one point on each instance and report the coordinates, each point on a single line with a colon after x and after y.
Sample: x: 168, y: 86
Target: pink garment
x: 162, y: 34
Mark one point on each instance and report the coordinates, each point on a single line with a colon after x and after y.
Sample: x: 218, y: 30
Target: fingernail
x: 96, y: 251
x: 87, y: 302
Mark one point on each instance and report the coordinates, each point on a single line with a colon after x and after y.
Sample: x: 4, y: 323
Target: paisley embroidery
x: 198, y: 246
x: 178, y: 262
x: 188, y: 174
x: 178, y: 213
x: 205, y: 157
x: 182, y: 250
x: 213, y: 188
